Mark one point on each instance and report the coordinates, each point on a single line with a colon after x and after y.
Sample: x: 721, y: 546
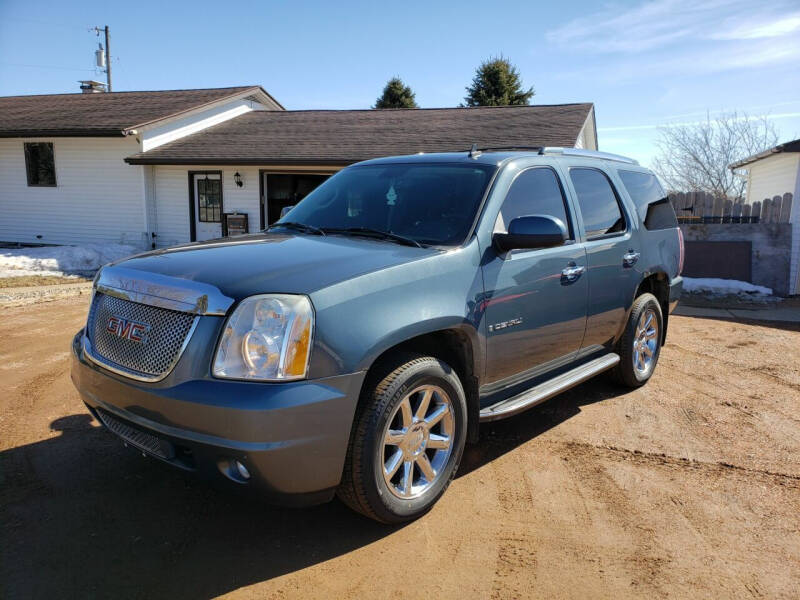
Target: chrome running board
x: 547, y: 389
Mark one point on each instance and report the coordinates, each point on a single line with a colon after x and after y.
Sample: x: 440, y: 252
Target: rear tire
x: 640, y: 345
x: 407, y: 440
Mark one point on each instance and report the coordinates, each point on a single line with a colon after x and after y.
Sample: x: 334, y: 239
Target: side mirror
x: 286, y: 209
x: 534, y: 231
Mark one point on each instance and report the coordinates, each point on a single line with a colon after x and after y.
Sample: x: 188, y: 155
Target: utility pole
x: 108, y: 62
x: 97, y: 30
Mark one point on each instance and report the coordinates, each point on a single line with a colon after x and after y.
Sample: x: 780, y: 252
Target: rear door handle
x: 572, y: 272
x: 630, y: 257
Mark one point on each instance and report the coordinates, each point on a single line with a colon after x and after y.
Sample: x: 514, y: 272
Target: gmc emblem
x: 129, y: 330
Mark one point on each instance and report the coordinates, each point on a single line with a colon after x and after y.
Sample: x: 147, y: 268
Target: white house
x: 775, y: 172
x: 160, y: 168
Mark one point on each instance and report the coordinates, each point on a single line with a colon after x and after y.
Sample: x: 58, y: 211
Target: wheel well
x: 451, y: 346
x: 658, y: 285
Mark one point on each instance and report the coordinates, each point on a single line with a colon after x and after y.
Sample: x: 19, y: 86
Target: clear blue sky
x: 643, y: 64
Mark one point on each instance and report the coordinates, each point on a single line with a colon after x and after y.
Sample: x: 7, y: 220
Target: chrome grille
x: 137, y: 437
x: 152, y: 358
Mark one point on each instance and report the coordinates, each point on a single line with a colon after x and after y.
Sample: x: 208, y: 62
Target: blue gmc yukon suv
x: 356, y: 345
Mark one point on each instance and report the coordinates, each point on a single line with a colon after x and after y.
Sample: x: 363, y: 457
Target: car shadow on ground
x: 82, y: 516
x: 500, y: 437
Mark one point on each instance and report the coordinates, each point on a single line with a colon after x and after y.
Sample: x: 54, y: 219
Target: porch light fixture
x: 238, y: 179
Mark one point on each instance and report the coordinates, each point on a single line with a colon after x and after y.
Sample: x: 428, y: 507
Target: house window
x: 40, y: 164
x: 209, y: 200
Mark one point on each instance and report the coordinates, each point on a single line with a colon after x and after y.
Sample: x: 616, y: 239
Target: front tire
x: 640, y: 345
x: 407, y: 441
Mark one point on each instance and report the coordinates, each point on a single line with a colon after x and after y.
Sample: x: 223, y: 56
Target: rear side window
x: 600, y: 208
x: 652, y: 203
x: 535, y: 191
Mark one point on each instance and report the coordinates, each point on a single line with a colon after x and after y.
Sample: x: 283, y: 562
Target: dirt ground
x: 689, y: 487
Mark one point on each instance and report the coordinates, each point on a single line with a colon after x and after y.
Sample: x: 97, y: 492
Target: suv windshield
x: 432, y: 204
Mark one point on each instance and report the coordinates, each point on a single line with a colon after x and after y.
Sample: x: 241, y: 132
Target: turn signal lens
x: 297, y: 350
x: 268, y: 338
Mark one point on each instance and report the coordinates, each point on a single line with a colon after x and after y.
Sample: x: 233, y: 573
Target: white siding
x: 587, y: 139
x: 158, y: 135
x: 97, y: 198
x: 172, y: 199
x: 171, y: 206
x: 772, y: 176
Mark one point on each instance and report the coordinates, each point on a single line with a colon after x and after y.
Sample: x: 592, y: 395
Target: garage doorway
x: 279, y: 190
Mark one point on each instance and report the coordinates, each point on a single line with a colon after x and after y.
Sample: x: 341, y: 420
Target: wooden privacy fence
x: 701, y: 207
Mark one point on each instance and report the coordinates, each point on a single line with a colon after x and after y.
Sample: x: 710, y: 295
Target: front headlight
x: 267, y: 337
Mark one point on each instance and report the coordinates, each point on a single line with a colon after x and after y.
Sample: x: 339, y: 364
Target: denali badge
x: 129, y: 330
x: 504, y: 324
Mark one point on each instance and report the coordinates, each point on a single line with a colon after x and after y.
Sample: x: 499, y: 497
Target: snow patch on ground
x: 61, y: 260
x: 723, y: 286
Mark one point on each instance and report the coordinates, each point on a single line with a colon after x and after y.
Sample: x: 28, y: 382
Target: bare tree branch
x: 695, y: 157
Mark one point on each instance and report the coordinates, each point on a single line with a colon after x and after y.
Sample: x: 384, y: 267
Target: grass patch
x: 36, y: 280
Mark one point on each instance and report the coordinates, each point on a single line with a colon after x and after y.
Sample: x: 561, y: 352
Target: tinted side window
x: 535, y: 191
x: 598, y: 201
x: 651, y: 201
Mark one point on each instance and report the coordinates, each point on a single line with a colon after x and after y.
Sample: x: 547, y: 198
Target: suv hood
x: 275, y: 263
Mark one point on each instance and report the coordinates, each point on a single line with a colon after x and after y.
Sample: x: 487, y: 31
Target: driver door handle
x: 572, y: 272
x: 630, y: 257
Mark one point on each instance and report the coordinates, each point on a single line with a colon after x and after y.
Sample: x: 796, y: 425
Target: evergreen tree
x: 497, y: 83
x: 396, y: 94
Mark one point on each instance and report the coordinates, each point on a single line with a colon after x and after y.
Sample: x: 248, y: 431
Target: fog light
x: 242, y: 470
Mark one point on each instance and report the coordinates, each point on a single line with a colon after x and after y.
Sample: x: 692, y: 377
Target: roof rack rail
x: 589, y: 154
x: 475, y: 148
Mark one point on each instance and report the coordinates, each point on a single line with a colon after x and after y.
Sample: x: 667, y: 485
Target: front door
x: 535, y: 307
x: 207, y: 198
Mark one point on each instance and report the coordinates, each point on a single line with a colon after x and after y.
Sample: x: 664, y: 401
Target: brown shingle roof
x: 108, y: 114
x: 345, y: 136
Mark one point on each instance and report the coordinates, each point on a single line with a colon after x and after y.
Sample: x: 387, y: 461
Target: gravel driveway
x: 688, y: 487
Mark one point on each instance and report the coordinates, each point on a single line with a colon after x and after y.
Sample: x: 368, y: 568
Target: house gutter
x: 793, y: 146
x: 29, y: 133
x: 755, y: 157
x: 145, y: 160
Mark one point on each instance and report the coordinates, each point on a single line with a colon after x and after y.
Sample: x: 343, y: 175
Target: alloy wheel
x: 645, y: 342
x: 418, y: 441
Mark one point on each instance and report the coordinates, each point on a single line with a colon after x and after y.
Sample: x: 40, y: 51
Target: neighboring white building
x: 775, y: 172
x: 161, y: 168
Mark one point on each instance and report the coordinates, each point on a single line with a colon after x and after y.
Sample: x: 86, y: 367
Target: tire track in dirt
x: 637, y: 553
x: 665, y: 460
x: 515, y: 560
x: 767, y: 372
x: 588, y: 461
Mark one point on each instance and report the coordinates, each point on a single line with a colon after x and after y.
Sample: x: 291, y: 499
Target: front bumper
x: 292, y: 437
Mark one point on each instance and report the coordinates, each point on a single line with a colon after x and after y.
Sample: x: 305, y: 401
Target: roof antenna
x: 474, y: 152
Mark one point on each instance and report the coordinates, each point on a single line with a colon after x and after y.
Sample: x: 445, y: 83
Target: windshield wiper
x: 298, y: 226
x: 376, y: 233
